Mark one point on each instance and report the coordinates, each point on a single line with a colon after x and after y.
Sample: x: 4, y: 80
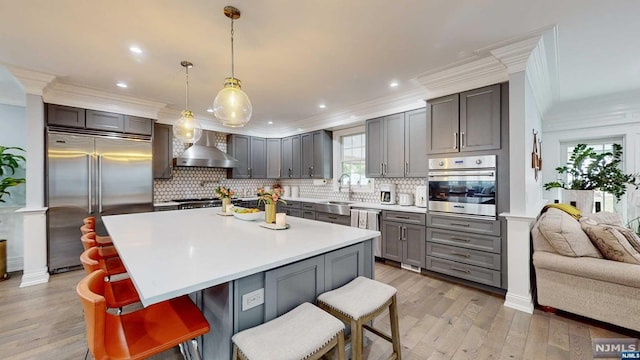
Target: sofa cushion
x: 612, y: 243
x: 565, y: 235
x: 604, y: 217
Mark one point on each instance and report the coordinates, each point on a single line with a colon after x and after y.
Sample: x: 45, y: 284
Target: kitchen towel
x: 354, y: 217
x: 372, y: 224
x: 363, y: 218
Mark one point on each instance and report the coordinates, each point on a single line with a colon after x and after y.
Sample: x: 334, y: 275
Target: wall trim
x: 522, y: 303
x: 33, y: 82
x: 36, y: 278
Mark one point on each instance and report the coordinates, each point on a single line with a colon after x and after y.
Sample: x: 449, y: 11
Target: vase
x: 270, y: 213
x: 580, y: 199
x: 225, y: 203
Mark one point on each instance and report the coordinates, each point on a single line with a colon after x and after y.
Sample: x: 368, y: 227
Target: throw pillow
x: 630, y: 235
x: 611, y: 243
x: 565, y: 235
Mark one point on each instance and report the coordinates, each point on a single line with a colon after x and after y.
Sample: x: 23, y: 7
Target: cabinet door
x: 480, y: 119
x: 309, y: 214
x: 101, y: 120
x: 258, y: 158
x: 287, y: 157
x: 414, y: 245
x: 289, y: 286
x: 391, y: 243
x: 307, y: 155
x: 238, y: 147
x: 162, y: 151
x: 322, y: 155
x: 294, y: 212
x: 274, y: 158
x: 443, y: 114
x: 394, y: 145
x: 374, y: 158
x: 296, y: 157
x: 137, y: 125
x: 65, y: 116
x: 415, y: 143
x: 343, y: 265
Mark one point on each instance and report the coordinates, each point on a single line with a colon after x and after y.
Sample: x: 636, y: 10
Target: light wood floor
x: 438, y: 320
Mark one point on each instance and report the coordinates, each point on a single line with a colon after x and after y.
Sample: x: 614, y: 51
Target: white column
x: 35, y: 269
x: 519, y: 295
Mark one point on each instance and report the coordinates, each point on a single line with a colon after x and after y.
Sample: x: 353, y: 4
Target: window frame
x: 337, y: 160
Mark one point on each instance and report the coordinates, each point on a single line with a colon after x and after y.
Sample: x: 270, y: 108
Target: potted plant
x: 270, y: 198
x: 589, y: 170
x: 9, y: 162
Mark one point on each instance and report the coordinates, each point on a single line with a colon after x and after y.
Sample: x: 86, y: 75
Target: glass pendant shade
x: 187, y: 129
x: 232, y: 105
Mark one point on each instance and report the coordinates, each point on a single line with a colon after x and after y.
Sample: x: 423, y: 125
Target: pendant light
x: 187, y: 129
x: 232, y: 105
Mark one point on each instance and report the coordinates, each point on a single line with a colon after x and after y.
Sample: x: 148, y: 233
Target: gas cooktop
x: 196, y: 200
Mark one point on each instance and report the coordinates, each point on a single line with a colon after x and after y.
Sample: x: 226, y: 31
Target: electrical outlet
x: 252, y: 299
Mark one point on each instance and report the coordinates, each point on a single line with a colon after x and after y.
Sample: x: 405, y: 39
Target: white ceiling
x: 294, y: 55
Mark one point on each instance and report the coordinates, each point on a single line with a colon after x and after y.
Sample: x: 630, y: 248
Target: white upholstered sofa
x: 573, y: 276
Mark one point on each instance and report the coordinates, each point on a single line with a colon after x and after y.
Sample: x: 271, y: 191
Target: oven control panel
x: 467, y: 162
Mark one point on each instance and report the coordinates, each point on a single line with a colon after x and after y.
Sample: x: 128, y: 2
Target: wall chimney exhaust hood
x: 204, y: 153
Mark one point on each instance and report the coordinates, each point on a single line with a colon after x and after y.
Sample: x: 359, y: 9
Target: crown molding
x: 83, y: 97
x: 33, y: 82
x: 13, y: 101
x: 515, y: 56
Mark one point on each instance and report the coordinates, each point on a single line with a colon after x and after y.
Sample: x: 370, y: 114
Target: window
x: 606, y: 200
x: 349, y: 154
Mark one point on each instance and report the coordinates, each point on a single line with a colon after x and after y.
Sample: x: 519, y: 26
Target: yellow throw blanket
x: 575, y: 213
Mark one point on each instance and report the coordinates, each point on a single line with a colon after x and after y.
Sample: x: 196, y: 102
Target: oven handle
x: 442, y: 174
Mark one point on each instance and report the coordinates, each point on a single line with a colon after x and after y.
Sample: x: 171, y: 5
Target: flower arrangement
x: 271, y: 197
x: 224, y: 192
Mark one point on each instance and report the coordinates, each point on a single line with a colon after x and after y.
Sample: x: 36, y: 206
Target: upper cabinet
x: 469, y: 121
x: 274, y: 158
x: 317, y: 155
x: 67, y: 116
x: 250, y: 151
x: 396, y: 145
x: 291, y: 157
x: 162, y: 151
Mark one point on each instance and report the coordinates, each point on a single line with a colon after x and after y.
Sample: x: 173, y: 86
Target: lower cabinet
x: 334, y: 219
x: 404, y: 242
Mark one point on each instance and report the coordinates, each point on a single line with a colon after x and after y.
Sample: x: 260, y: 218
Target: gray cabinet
x: 162, y: 151
x: 291, y: 157
x: 65, y: 116
x: 274, y: 158
x: 466, y: 248
x: 250, y: 151
x: 317, y: 155
x: 344, y: 265
x: 396, y: 145
x: 334, y: 219
x: 137, y: 125
x: 102, y: 120
x: 404, y: 237
x: 469, y: 121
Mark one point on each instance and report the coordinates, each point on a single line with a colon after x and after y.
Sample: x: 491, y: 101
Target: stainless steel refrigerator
x: 92, y: 175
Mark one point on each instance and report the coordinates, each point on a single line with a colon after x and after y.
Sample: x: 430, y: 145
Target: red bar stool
x: 139, y: 334
x: 110, y: 265
x: 103, y: 243
x: 117, y: 293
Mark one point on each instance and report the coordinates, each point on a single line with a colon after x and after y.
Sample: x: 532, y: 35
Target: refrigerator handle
x: 100, y: 184
x: 90, y: 187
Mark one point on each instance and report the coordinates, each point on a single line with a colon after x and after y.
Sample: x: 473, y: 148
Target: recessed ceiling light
x: 122, y: 85
x: 136, y: 50
x: 393, y: 84
x: 270, y: 122
x: 322, y: 106
x: 209, y: 110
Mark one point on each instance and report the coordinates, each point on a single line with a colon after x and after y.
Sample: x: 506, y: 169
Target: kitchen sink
x: 334, y: 207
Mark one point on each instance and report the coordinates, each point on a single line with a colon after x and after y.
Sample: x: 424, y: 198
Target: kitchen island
x: 240, y: 274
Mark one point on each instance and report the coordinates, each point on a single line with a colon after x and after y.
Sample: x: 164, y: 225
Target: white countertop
x: 172, y: 253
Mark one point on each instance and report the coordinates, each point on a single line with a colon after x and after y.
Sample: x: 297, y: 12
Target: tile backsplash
x: 191, y: 182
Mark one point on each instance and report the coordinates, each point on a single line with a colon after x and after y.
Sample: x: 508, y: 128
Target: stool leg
x: 341, y: 354
x: 235, y: 352
x: 395, y: 332
x: 356, y: 340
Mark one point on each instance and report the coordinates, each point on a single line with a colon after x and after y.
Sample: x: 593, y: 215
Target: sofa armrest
x: 592, y: 268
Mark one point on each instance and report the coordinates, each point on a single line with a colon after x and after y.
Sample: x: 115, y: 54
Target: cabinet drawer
x: 137, y: 125
x: 307, y: 214
x: 464, y: 271
x: 308, y: 206
x: 294, y: 212
x: 100, y: 120
x: 334, y: 219
x: 293, y: 204
x: 464, y: 255
x: 479, y: 226
x: 404, y: 217
x: 466, y: 240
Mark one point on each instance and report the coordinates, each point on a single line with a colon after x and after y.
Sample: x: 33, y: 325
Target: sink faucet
x: 340, y: 183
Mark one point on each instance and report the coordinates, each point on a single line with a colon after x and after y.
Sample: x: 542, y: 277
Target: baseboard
x: 40, y: 277
x: 518, y: 302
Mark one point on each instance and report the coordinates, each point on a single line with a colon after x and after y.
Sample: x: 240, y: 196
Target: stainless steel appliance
x: 201, y: 203
x: 92, y: 175
x: 421, y: 196
x: 387, y: 194
x: 464, y: 185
